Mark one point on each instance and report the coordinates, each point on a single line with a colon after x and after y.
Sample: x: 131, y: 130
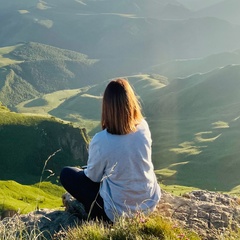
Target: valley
x: 56, y: 57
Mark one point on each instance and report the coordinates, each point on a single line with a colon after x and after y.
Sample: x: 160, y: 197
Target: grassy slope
x: 195, y: 129
x: 26, y: 198
x: 47, y: 102
x: 74, y: 105
x: 197, y: 141
x: 4, y: 61
x: 216, y: 166
x: 28, y: 141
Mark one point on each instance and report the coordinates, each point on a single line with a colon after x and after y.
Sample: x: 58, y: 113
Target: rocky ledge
x: 210, y: 214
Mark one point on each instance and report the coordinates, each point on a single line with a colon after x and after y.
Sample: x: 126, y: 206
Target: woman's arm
x: 96, y: 164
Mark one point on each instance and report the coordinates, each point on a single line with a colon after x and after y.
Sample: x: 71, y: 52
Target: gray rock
x: 210, y: 214
x: 48, y: 223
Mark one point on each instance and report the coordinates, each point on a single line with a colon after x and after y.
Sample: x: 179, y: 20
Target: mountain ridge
x: 182, y: 68
x: 227, y: 10
x: 38, y: 64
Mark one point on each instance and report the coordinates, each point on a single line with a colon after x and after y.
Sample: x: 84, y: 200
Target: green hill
x: 212, y: 95
x: 27, y: 142
x: 41, y: 69
x: 182, y: 68
x: 195, y: 130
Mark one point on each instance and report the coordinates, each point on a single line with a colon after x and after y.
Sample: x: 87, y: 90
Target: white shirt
x: 123, y: 164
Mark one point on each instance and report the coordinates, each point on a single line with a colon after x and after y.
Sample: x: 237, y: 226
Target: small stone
x: 73, y: 206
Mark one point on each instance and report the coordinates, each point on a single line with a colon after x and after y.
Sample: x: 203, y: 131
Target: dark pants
x: 84, y: 190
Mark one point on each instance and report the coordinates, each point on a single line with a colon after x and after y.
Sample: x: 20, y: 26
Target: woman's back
x: 128, y: 179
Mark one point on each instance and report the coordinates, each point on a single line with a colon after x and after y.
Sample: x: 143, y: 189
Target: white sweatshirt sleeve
x: 96, y: 164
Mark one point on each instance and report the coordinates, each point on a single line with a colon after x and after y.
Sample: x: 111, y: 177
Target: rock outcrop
x: 209, y: 214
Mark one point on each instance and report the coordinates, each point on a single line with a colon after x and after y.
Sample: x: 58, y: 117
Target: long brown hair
x: 121, y: 110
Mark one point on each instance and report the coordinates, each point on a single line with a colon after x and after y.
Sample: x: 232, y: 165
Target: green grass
x: 46, y: 103
x: 18, y: 230
x: 177, y: 189
x: 73, y: 106
x: 5, y: 61
x: 184, y: 167
x: 27, y: 198
x: 12, y: 118
x: 42, y: 6
x: 235, y: 191
x: 22, y: 11
x: 137, y: 228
